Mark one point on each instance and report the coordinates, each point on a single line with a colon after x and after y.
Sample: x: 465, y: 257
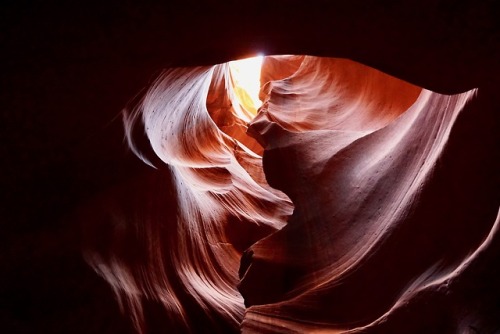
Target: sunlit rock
x: 326, y: 209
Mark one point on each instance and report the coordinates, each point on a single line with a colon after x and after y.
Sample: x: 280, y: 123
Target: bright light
x: 246, y: 81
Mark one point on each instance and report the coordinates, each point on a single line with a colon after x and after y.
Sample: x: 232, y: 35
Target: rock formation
x: 358, y: 156
x: 354, y: 201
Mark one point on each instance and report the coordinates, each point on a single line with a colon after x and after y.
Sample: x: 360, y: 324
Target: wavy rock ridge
x: 360, y: 155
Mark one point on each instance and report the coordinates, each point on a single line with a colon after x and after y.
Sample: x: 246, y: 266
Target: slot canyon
x: 352, y: 188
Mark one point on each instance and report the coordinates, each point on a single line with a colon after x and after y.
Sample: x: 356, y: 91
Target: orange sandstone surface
x: 334, y: 210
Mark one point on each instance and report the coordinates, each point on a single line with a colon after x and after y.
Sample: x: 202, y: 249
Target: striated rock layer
x: 373, y: 225
x: 380, y: 237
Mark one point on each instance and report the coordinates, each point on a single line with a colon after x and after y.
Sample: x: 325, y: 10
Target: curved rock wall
x: 360, y: 154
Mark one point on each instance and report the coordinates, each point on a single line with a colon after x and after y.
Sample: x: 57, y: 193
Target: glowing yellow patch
x: 246, y: 82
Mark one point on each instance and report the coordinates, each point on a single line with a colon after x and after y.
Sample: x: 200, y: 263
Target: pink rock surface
x: 362, y: 157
